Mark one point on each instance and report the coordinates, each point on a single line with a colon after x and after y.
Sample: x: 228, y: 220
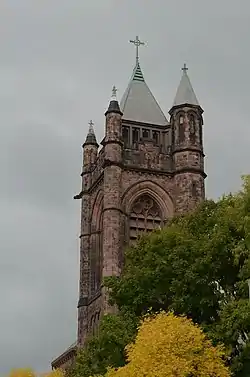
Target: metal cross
x: 185, y: 68
x: 91, y: 128
x: 114, y: 90
x: 137, y: 44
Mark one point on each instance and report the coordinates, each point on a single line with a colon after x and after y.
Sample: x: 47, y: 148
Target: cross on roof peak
x: 137, y: 44
x: 114, y: 91
x: 91, y: 128
x: 185, y: 68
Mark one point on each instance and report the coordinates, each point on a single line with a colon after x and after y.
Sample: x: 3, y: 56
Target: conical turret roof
x: 138, y: 103
x: 185, y: 93
x: 113, y: 104
x: 91, y: 138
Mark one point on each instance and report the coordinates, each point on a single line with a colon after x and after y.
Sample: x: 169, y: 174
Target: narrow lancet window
x: 125, y: 136
x: 135, y: 135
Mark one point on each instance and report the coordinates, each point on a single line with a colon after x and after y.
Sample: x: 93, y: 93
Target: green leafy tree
x: 107, y: 348
x: 197, y: 266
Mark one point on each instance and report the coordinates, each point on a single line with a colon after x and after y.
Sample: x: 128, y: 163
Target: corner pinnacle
x: 113, y: 104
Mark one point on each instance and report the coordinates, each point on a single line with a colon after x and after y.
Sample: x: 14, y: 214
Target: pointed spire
x: 185, y: 93
x: 91, y: 138
x: 138, y: 103
x: 113, y: 104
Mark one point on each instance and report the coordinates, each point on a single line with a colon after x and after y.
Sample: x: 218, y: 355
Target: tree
x: 174, y: 347
x: 197, y: 266
x: 26, y: 372
x: 107, y: 348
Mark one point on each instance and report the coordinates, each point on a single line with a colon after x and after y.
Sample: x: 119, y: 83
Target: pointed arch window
x: 192, y: 124
x: 145, y: 216
x: 192, y: 128
x: 181, y: 126
x: 96, y: 242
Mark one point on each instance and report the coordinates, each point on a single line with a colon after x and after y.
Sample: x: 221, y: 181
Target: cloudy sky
x: 59, y: 60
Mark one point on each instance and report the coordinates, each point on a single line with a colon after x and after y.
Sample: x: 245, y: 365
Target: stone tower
x: 147, y: 169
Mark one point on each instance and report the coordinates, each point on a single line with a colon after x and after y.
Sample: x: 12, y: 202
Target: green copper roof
x: 138, y: 103
x: 138, y: 76
x: 185, y: 93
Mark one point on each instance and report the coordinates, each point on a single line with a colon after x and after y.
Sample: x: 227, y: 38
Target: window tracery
x: 145, y: 216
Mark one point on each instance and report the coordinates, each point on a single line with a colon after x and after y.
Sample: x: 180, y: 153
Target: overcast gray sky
x: 59, y: 60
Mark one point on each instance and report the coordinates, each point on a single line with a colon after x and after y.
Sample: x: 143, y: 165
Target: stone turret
x: 90, y: 148
x: 112, y: 216
x: 90, y: 151
x: 187, y: 145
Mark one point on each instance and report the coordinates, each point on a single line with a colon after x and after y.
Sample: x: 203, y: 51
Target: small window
x: 156, y: 137
x: 194, y: 189
x: 181, y: 119
x: 135, y: 135
x: 192, y: 124
x: 145, y: 133
x: 200, y: 133
x: 125, y: 135
x: 181, y: 133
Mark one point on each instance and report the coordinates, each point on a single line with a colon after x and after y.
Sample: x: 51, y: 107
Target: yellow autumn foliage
x: 170, y: 346
x: 25, y: 372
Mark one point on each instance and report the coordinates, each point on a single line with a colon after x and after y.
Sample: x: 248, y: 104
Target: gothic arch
x: 97, y: 209
x: 96, y: 243
x: 94, y: 322
x: 162, y: 198
x: 147, y: 206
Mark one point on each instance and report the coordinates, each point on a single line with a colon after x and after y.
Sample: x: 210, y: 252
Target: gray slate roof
x: 185, y: 93
x: 138, y: 103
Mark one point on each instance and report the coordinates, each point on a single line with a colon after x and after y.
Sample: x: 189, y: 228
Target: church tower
x: 147, y: 170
